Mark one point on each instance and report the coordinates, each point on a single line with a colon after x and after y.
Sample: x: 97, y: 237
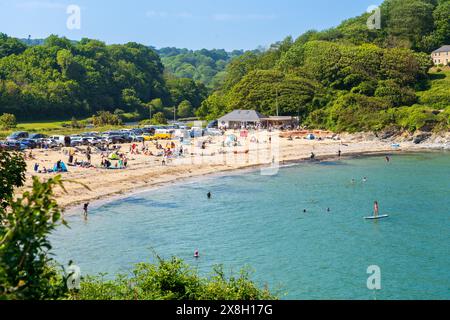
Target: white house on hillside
x: 441, y: 56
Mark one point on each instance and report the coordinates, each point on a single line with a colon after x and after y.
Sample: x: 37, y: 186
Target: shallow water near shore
x: 259, y: 221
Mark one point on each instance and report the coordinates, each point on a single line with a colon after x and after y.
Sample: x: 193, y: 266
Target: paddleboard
x: 376, y: 218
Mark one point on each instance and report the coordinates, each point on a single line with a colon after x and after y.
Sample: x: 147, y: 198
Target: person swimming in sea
x: 196, y: 254
x: 209, y: 195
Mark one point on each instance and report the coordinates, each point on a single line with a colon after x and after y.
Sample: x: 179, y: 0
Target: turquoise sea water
x: 259, y: 221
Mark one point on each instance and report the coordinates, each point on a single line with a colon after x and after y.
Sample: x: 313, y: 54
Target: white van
x: 58, y: 139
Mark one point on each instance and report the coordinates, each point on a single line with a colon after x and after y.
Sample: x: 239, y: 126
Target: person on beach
x: 58, y: 166
x: 313, y: 156
x: 376, y: 209
x: 339, y: 153
x: 85, y: 209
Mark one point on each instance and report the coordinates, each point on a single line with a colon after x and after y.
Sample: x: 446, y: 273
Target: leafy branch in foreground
x: 26, y: 270
x: 172, y: 280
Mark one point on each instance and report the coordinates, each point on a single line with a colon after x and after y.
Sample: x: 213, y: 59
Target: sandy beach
x: 258, y: 149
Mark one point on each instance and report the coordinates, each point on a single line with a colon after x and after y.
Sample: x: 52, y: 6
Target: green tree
x: 185, y: 109
x: 8, y: 121
x: 442, y: 23
x: 26, y: 270
x: 12, y: 175
x: 159, y: 118
x: 104, y: 118
x: 213, y: 107
x: 409, y: 20
x: 9, y: 46
x: 268, y: 91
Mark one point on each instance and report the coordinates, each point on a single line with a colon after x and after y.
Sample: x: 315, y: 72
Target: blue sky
x: 193, y: 24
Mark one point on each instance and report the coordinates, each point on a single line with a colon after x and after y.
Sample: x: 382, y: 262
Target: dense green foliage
x: 204, y: 66
x: 8, y: 121
x: 60, y: 78
x: 421, y: 25
x: 158, y: 118
x: 25, y: 267
x: 103, y: 118
x: 172, y: 280
x: 348, y: 78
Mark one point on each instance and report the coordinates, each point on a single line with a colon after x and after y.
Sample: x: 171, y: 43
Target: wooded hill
x: 349, y: 78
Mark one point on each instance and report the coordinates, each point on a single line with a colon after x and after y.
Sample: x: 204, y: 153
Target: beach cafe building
x: 238, y: 119
x: 241, y: 119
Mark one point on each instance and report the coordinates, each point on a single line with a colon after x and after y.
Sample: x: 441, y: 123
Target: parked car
x: 164, y: 131
x: 116, y: 139
x: 91, y: 141
x: 37, y: 137
x: 76, y: 141
x: 213, y: 124
x: 28, y: 143
x: 149, y: 130
x: 60, y: 140
x: 15, y: 145
x: 157, y: 136
x: 137, y: 132
x: 17, y: 136
x: 50, y: 143
x: 136, y: 138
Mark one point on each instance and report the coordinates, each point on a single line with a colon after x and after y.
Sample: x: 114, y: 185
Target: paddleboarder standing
x: 376, y: 209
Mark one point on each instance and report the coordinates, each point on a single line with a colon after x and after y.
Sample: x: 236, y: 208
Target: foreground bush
x: 171, y: 280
